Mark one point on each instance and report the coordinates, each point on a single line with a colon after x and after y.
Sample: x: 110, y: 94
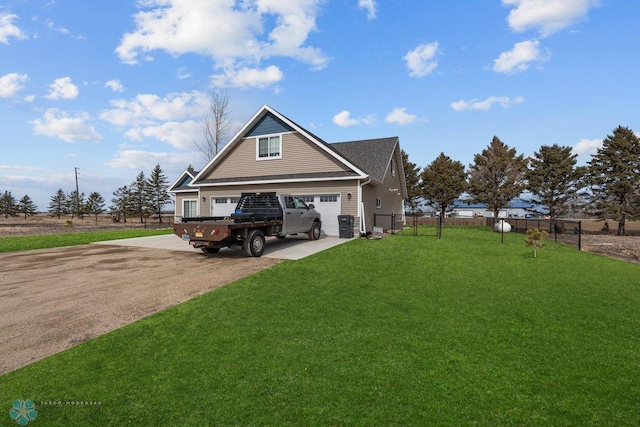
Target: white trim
x: 279, y: 181
x: 190, y: 200
x: 180, y: 178
x: 268, y: 137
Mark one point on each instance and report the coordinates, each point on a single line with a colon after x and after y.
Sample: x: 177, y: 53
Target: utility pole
x: 77, y: 201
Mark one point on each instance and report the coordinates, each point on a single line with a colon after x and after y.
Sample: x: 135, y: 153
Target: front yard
x: 401, y: 331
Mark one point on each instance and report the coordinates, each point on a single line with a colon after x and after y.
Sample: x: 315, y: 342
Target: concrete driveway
x: 293, y: 247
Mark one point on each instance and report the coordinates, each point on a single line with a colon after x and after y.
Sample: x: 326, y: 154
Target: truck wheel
x: 254, y: 245
x: 314, y: 233
x: 210, y: 250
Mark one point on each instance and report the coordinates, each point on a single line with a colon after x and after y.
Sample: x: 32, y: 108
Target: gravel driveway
x: 54, y: 299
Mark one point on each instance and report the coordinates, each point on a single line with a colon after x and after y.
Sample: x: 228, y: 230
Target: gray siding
x: 268, y: 125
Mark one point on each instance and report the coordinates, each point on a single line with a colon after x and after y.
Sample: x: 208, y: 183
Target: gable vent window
x: 393, y: 168
x: 378, y: 203
x: 269, y: 147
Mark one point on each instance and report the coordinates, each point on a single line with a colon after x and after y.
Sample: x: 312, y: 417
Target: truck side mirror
x: 311, y: 206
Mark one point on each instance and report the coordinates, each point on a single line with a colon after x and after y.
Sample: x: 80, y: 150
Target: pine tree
x: 412, y: 178
x: 8, y: 205
x: 158, y: 190
x: 27, y: 207
x: 614, y: 178
x: 140, y: 197
x: 75, y: 204
x: 497, y: 176
x: 443, y: 181
x: 95, y: 205
x: 58, y: 204
x: 121, y: 204
x: 552, y: 178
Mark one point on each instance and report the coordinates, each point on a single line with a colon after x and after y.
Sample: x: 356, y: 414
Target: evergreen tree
x: 140, y: 197
x: 8, y: 205
x: 443, y: 181
x: 121, y: 204
x: 58, y: 204
x: 614, y: 178
x: 412, y: 177
x: 75, y: 204
x: 95, y: 205
x: 497, y: 176
x: 27, y: 207
x: 158, y: 190
x: 552, y: 179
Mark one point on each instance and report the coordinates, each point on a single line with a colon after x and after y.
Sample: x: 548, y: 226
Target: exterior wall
x: 392, y: 201
x: 298, y: 156
x: 183, y: 196
x: 348, y: 207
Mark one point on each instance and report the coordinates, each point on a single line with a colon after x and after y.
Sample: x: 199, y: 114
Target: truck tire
x: 210, y: 250
x: 314, y: 233
x: 254, y: 245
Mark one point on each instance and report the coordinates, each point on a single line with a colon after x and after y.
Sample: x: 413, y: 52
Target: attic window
x: 269, y: 147
x: 393, y: 167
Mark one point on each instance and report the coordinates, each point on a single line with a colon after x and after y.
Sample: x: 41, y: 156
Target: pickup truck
x: 256, y: 216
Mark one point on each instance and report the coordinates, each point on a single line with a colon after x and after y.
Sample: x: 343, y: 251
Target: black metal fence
x: 413, y: 225
x: 564, y: 231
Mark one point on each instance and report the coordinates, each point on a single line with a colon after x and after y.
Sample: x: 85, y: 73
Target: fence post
x: 579, y: 235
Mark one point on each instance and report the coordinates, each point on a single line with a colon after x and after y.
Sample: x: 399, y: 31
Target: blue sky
x: 114, y: 88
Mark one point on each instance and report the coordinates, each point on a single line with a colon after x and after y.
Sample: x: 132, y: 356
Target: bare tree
x: 215, y: 125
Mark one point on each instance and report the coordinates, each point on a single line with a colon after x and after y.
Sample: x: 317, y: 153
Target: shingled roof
x: 370, y: 155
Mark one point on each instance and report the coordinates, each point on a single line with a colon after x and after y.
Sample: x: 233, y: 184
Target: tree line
x: 608, y: 187
x: 143, y: 198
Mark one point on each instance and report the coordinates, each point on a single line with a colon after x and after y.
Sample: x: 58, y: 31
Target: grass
x: 45, y: 241
x: 400, y: 331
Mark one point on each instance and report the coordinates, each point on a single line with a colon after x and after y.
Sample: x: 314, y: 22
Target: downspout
x: 363, y: 228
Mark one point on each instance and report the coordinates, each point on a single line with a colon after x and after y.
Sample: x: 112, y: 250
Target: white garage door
x: 223, y: 206
x: 329, y: 207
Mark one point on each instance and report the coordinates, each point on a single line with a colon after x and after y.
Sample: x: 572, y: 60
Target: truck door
x: 292, y: 219
x: 306, y: 220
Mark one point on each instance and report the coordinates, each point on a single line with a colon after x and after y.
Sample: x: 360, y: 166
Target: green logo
x: 23, y: 411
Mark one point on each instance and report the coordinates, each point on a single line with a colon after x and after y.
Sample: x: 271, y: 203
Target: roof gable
x: 269, y: 124
x: 183, y: 181
x: 269, y: 121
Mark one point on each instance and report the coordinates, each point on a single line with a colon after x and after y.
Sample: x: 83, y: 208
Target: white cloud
x: 179, y: 134
x: 7, y: 29
x: 587, y: 147
x: 400, y: 116
x: 519, y: 58
x: 248, y: 77
x: 114, y: 85
x: 29, y: 98
x: 63, y: 88
x: 150, y: 110
x: 59, y: 124
x: 369, y: 6
x: 237, y: 35
x: 344, y: 119
x: 420, y: 61
x: 547, y: 16
x: 503, y: 101
x: 144, y: 160
x: 11, y: 83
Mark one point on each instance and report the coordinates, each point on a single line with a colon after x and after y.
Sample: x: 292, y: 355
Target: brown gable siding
x: 298, y: 155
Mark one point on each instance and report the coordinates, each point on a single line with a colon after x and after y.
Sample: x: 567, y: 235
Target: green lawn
x: 400, y: 331
x: 44, y: 241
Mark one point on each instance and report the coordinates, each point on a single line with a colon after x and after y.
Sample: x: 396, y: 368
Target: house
x: 273, y: 153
